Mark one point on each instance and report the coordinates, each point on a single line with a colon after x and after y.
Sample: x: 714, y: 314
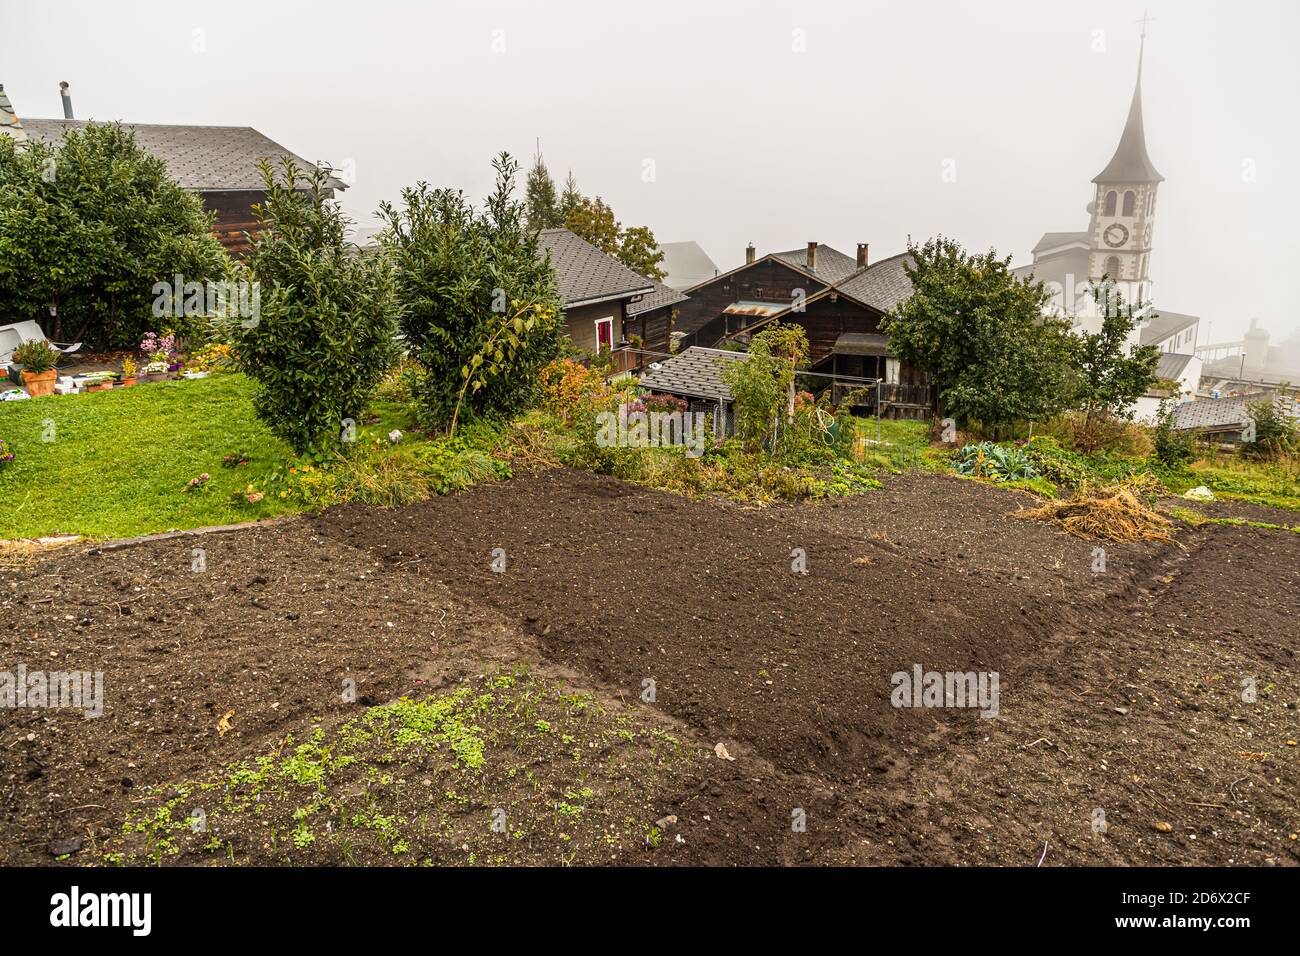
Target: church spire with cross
x: 1124, y: 205
x: 1131, y: 164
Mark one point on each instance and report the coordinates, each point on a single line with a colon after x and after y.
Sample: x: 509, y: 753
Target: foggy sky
x: 750, y: 140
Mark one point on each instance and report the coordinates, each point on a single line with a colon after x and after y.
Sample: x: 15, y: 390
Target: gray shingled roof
x: 882, y: 285
x: 832, y: 265
x: 661, y: 296
x: 1171, y: 364
x: 199, y: 158
x: 1131, y: 164
x: 585, y: 274
x: 1165, y: 324
x: 1054, y: 240
x: 695, y: 373
x: 1223, y: 413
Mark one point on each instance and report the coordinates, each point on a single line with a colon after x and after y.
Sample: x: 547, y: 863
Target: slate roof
x: 695, y: 373
x: 1222, y: 413
x: 1164, y: 325
x: 832, y: 265
x: 199, y: 158
x: 660, y: 297
x: 585, y: 274
x: 1055, y: 240
x: 1131, y: 164
x: 882, y: 285
x: 1172, y: 364
x: 686, y: 264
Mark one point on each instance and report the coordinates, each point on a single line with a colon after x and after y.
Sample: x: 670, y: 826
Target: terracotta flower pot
x: 40, y: 383
x: 101, y: 387
x: 128, y: 381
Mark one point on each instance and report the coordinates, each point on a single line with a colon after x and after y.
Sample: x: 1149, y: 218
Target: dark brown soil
x: 1120, y: 690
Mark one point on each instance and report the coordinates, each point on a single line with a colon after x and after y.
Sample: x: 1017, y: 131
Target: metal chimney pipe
x: 862, y: 254
x: 812, y: 257
x: 67, y: 99
x: 749, y: 254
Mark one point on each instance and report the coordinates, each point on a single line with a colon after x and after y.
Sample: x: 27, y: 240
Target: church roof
x: 1056, y: 240
x: 1131, y: 164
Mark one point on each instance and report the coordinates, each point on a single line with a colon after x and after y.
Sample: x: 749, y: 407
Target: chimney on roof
x: 862, y: 255
x: 749, y: 254
x: 67, y: 99
x: 812, y: 256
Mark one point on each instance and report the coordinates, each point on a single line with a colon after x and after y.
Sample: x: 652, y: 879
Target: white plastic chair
x: 12, y: 336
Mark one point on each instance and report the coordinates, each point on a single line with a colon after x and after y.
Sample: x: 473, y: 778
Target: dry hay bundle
x: 1113, y: 514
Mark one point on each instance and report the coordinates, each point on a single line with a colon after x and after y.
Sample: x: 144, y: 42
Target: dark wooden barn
x: 838, y: 300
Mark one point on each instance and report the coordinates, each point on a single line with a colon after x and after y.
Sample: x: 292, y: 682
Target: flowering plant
x: 198, y: 482
x: 6, y: 456
x: 160, y: 348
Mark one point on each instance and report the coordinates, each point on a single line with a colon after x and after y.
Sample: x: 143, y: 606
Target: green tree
x: 762, y: 385
x: 570, y: 198
x: 326, y: 330
x: 542, y: 206
x: 980, y: 333
x: 638, y: 250
x: 464, y: 277
x: 88, y: 226
x: 594, y: 221
x: 1109, y: 376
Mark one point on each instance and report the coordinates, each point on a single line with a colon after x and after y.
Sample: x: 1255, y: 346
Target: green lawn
x: 120, y: 461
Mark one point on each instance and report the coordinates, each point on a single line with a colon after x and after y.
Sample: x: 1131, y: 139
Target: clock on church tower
x: 1123, y: 209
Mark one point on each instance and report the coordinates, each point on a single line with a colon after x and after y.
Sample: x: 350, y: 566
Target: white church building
x: 1116, y: 248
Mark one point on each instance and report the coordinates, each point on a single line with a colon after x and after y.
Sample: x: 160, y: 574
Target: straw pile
x: 1114, y: 514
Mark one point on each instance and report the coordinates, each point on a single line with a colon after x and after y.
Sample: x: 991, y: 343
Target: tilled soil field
x: 1146, y: 708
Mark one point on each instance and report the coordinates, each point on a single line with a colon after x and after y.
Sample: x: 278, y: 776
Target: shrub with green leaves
x: 35, y: 356
x: 87, y: 226
x: 1172, y: 447
x: 1276, y: 432
x: 326, y: 331
x: 479, y: 307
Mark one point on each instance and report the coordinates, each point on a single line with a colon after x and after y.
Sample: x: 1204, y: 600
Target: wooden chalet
x: 839, y: 301
x: 220, y: 163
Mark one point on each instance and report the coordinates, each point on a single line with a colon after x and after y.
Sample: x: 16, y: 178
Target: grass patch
x: 507, y: 768
x: 119, y: 461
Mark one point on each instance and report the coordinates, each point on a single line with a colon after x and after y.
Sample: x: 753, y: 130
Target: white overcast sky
x: 750, y: 140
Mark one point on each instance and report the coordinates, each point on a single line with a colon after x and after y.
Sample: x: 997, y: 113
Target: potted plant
x: 37, y: 360
x: 128, y: 372
x: 99, y: 381
x: 153, y: 372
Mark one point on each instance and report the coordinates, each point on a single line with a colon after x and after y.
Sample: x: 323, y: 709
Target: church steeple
x: 1131, y: 164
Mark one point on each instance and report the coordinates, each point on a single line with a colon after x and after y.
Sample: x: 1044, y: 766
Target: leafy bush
x: 1276, y: 432
x: 1173, y: 448
x: 326, y: 330
x: 998, y: 462
x: 566, y: 384
x: 479, y: 307
x: 88, y: 226
x: 35, y: 356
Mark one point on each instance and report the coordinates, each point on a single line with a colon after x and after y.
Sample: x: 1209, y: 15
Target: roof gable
x: 199, y: 158
x: 585, y: 274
